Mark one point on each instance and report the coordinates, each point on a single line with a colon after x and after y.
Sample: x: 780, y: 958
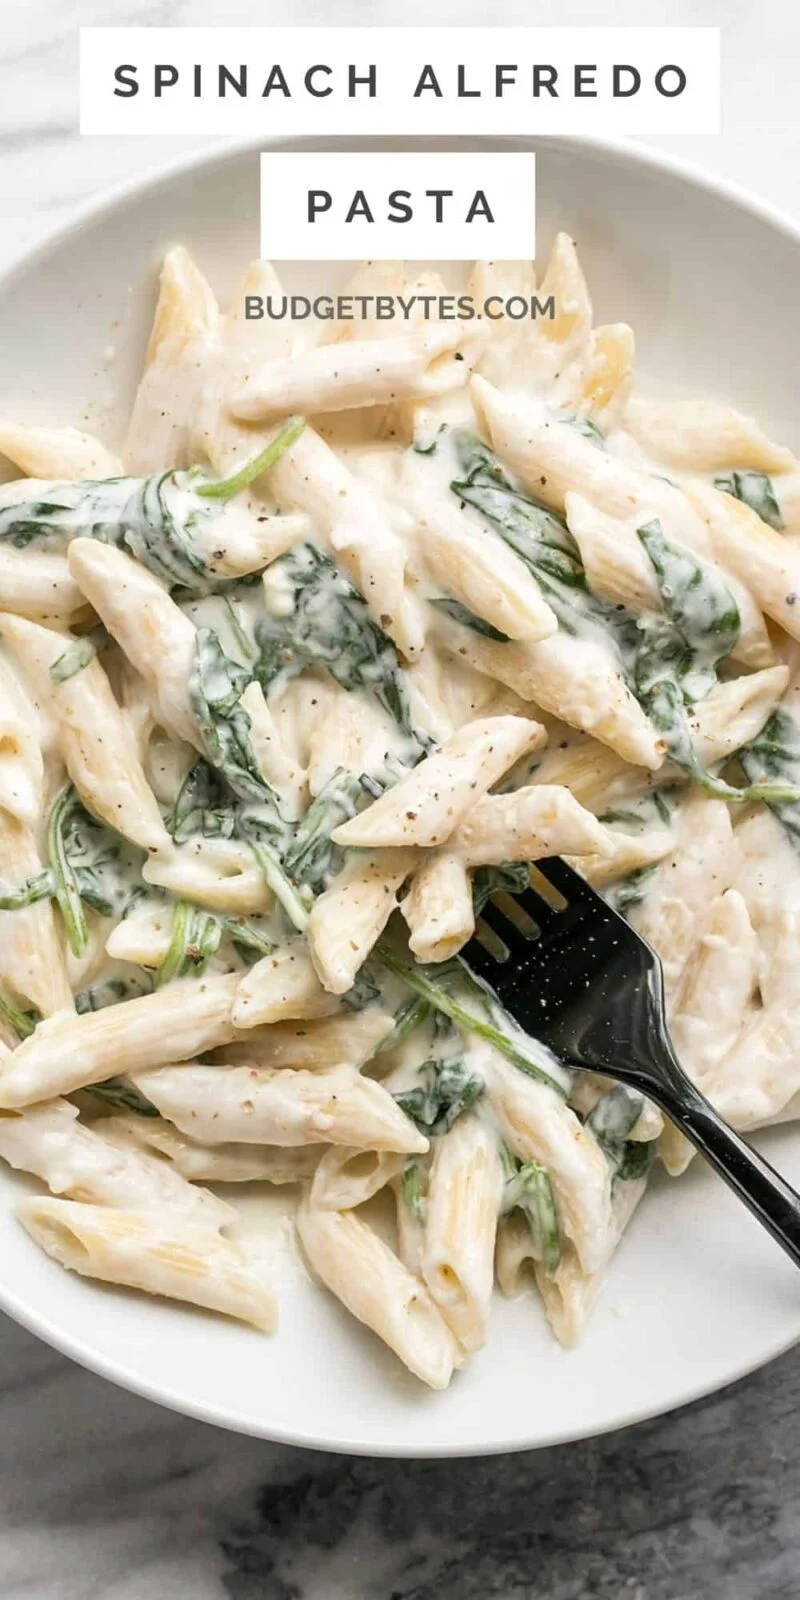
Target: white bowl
x: 698, y: 1294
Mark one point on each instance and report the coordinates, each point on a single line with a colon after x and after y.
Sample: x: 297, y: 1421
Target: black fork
x: 575, y: 975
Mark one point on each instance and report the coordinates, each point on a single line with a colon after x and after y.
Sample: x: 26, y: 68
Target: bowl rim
x: 646, y: 157
x: 109, y: 200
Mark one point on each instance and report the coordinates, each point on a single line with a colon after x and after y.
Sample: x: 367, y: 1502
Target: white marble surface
x: 102, y: 1494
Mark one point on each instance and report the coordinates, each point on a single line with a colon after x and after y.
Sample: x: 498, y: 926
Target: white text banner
x: 341, y: 82
x: 392, y: 203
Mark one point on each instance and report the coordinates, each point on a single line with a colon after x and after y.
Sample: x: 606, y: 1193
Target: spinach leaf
x: 658, y: 668
x: 660, y: 671
x: 312, y: 858
x: 164, y: 515
x: 93, y: 508
x: 612, y: 1118
x: 225, y: 488
x: 528, y: 1188
x: 640, y: 813
x: 250, y: 942
x: 74, y: 659
x: 237, y: 628
x: 631, y: 890
x: 772, y: 760
x: 675, y: 661
x: 700, y: 607
x: 411, y: 1015
x: 86, y: 863
x: 455, y: 992
x: 257, y: 828
x: 106, y: 868
x: 432, y: 446
x: 205, y: 806
x: 586, y: 429
x: 756, y: 490
x: 324, y: 622
x: 611, y: 1121
x: 364, y: 992
x: 22, y: 1022
x: 414, y: 1184
x: 159, y: 527
x: 543, y: 542
x: 678, y: 654
x: 109, y: 993
x: 537, y: 534
x: 447, y: 1088
x: 65, y: 880
x: 637, y: 1160
x: 42, y: 886
x: 123, y: 1096
x: 468, y: 619
x: 510, y: 877
x: 155, y: 519
x: 196, y: 937
x: 216, y: 686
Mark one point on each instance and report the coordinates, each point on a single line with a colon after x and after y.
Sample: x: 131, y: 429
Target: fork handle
x: 768, y: 1195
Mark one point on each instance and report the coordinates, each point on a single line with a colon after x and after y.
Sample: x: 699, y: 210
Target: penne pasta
x: 32, y: 963
x: 221, y: 874
x: 552, y: 460
x: 161, y: 644
x: 576, y: 680
x: 155, y: 635
x: 570, y: 1292
x: 280, y: 1106
x: 528, y: 825
x: 348, y: 919
x: 598, y: 384
x: 438, y: 907
x: 376, y: 1288
x: 426, y: 807
x: 425, y: 361
x: 703, y: 436
x: 218, y: 1163
x: 39, y: 585
x: 92, y: 732
x: 159, y: 434
x: 464, y: 1189
x: 237, y: 343
x: 714, y: 1007
x: 347, y: 1177
x: 475, y: 565
x: 159, y: 1254
x: 537, y: 1125
x: 630, y: 852
x: 57, y: 453
x: 761, y: 558
x: 356, y: 524
x: 83, y: 1164
x: 21, y: 762
x: 674, y: 917
x: 283, y: 984
x: 616, y: 563
x: 67, y: 1052
x: 347, y: 1037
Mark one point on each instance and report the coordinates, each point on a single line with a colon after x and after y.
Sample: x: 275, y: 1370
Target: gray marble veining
x: 104, y: 1495
x: 662, y: 1512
